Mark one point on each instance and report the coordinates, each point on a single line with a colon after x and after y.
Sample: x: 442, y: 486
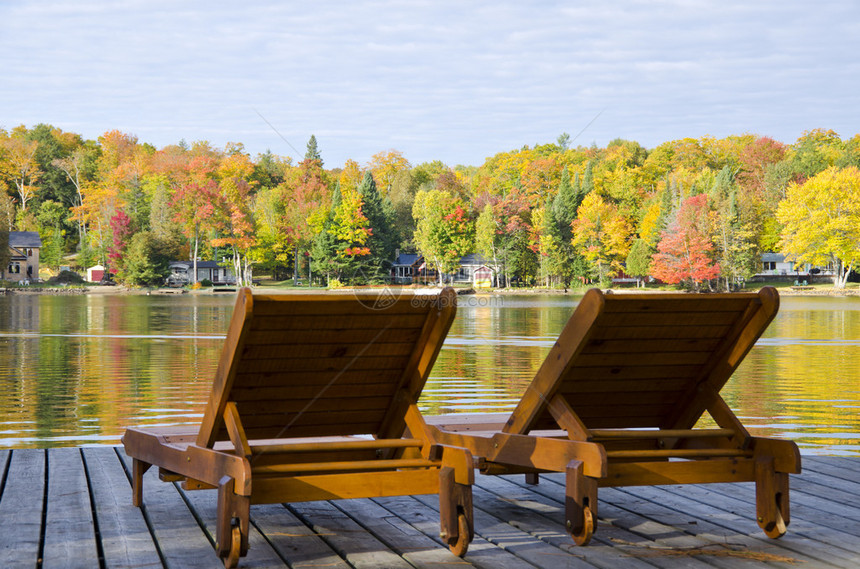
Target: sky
x: 455, y: 81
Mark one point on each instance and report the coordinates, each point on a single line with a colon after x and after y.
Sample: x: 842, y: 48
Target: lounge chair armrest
x: 546, y: 453
x: 785, y: 453
x: 458, y: 458
x: 209, y: 466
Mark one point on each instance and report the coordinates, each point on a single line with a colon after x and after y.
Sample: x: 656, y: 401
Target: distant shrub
x: 205, y: 282
x: 66, y: 277
x: 197, y: 286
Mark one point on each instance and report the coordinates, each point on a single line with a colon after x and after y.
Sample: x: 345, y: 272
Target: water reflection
x: 801, y: 381
x: 79, y: 369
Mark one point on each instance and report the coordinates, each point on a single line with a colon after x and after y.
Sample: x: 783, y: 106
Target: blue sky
x: 437, y: 80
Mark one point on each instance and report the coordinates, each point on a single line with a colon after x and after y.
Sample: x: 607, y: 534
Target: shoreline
x: 131, y: 291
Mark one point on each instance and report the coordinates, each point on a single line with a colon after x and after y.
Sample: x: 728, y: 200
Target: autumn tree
x: 53, y: 144
x: 602, y: 235
x: 304, y: 193
x: 508, y: 233
x: 50, y: 218
x: 385, y: 166
x: 684, y: 252
x: 733, y: 229
x: 486, y: 234
x: 119, y: 168
x: 275, y: 247
x: 194, y: 205
x: 340, y: 247
x: 7, y: 211
x: 815, y: 151
x: 444, y: 232
x: 234, y: 212
x: 147, y: 259
x: 755, y: 160
x: 270, y: 170
x: 80, y: 169
x: 122, y: 230
x: 548, y: 241
x: 18, y: 163
x: 564, y: 260
x: 821, y: 221
x: 5, y: 251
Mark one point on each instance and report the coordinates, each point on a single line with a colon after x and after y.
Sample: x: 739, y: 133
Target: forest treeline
x: 699, y: 212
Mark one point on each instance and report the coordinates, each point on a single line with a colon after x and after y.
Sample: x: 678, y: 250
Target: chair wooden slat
x: 376, y: 321
x: 363, y: 337
x: 649, y: 345
x: 344, y: 350
x: 274, y: 364
x: 281, y: 393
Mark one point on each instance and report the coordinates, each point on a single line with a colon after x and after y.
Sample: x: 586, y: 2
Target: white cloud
x: 436, y: 80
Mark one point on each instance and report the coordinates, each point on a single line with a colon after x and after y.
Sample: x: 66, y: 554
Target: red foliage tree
x: 684, y: 252
x: 754, y: 162
x: 121, y: 231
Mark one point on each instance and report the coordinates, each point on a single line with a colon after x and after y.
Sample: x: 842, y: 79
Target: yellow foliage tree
x: 821, y: 221
x: 602, y: 234
x: 385, y: 166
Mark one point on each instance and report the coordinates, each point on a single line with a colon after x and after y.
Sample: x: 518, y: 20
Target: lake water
x: 77, y: 370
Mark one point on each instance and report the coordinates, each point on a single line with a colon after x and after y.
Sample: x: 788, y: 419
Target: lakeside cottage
x: 474, y: 270
x: 181, y: 272
x: 776, y: 267
x: 24, y: 257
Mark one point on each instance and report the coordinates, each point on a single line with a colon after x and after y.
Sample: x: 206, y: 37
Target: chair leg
x: 233, y: 525
x: 532, y: 478
x: 138, y: 469
x: 455, y: 512
x: 580, y: 503
x: 771, y: 492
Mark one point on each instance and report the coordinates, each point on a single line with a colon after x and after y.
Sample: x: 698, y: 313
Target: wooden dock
x: 71, y: 507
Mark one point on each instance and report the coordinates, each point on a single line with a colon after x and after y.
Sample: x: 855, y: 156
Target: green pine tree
x: 313, y: 152
x: 588, y: 179
x: 324, y: 247
x: 383, y: 241
x: 639, y: 259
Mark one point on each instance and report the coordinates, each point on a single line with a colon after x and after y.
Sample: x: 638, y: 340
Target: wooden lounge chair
x: 311, y: 399
x: 617, y: 398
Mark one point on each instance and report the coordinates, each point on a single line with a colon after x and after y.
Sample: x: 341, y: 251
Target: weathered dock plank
x: 515, y: 541
x: 181, y: 541
x: 21, y: 508
x: 125, y: 538
x: 666, y: 526
x: 204, y: 503
x: 836, y: 468
x: 840, y: 491
x: 542, y: 516
x: 425, y: 519
x: 398, y: 535
x: 70, y: 539
x: 295, y: 542
x: 358, y: 547
x: 88, y: 521
x: 737, y: 519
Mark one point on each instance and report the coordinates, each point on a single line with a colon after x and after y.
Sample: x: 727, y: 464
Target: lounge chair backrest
x: 326, y: 364
x: 644, y: 360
